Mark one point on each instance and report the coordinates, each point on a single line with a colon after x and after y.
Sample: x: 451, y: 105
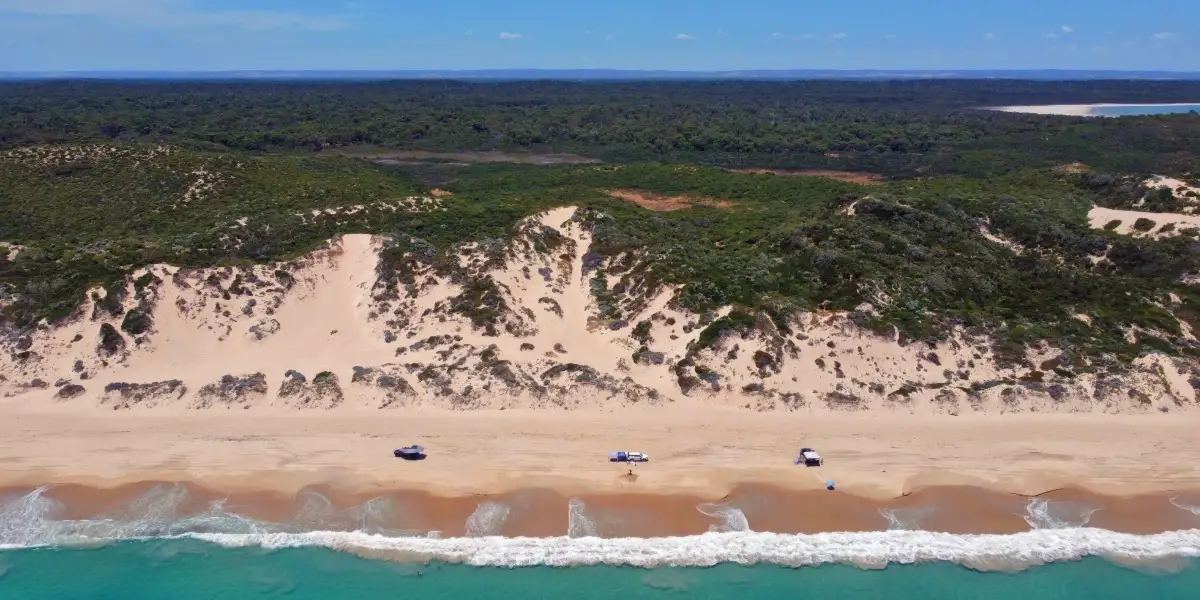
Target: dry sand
x: 702, y: 451
x: 1074, y: 110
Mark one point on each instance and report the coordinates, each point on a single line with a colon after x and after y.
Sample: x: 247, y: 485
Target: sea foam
x: 31, y: 520
x: 868, y: 549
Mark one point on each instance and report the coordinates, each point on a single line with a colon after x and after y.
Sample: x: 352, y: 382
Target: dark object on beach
x: 630, y: 457
x: 413, y: 452
x: 829, y: 485
x: 809, y: 458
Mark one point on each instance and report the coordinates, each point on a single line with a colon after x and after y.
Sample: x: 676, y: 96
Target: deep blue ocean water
x: 1144, y: 109
x: 185, y: 569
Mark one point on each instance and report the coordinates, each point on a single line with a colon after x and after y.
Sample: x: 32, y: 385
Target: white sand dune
x: 337, y: 330
x: 1074, y: 110
x: 1100, y: 217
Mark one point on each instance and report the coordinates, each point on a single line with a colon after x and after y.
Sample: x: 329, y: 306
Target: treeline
x: 900, y: 128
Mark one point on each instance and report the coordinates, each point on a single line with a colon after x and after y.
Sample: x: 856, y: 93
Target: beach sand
x: 967, y: 474
x: 1075, y: 110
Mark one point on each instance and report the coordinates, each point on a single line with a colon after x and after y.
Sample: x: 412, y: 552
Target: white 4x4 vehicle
x: 638, y: 457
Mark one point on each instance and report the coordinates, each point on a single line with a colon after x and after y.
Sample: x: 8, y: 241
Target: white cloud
x: 837, y: 36
x: 722, y: 33
x: 468, y: 32
x: 1050, y: 36
x: 1163, y: 35
x: 808, y: 36
x: 989, y: 36
x: 684, y: 36
x: 172, y: 14
x: 610, y: 36
x: 890, y: 36
x: 776, y: 35
x: 1067, y: 29
x: 504, y: 35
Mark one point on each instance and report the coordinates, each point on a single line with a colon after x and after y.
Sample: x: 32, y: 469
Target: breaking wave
x: 31, y: 520
x: 867, y: 549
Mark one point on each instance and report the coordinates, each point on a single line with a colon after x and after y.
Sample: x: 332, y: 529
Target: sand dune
x: 523, y: 326
x: 1174, y: 223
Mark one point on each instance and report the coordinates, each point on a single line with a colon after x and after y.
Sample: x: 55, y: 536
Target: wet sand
x: 544, y: 512
x: 983, y: 474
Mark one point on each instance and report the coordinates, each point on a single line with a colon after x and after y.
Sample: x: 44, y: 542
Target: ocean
x: 184, y: 569
x: 1143, y: 109
x: 154, y: 548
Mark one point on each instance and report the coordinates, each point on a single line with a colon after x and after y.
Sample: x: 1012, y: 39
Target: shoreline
x: 1075, y: 110
x: 1133, y: 474
x: 547, y: 513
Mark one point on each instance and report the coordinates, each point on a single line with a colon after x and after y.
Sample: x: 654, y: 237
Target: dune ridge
x: 361, y: 324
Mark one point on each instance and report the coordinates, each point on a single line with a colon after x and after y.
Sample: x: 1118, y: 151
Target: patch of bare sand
x: 1074, y: 168
x: 859, y: 177
x: 1160, y: 224
x: 664, y: 203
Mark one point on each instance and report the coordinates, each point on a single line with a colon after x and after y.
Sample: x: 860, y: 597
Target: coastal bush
x: 136, y: 322
x: 1143, y: 224
x: 913, y: 249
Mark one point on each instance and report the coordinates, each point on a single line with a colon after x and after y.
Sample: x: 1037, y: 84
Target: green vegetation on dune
x: 915, y: 250
x: 981, y: 222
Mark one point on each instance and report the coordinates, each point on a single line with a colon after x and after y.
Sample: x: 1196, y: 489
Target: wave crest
x: 872, y: 549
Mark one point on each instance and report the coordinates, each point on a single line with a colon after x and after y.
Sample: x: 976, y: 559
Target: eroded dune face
x: 363, y: 324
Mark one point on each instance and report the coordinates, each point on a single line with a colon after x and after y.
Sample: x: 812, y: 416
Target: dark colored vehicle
x: 413, y: 452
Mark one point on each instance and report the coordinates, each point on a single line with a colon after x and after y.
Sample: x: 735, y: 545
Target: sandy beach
x: 1075, y: 110
x: 969, y: 474
x: 262, y: 388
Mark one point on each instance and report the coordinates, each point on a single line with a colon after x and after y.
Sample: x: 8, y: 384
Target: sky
x: 196, y: 35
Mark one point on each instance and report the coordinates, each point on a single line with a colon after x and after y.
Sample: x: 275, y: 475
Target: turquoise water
x: 1144, y: 109
x: 184, y: 569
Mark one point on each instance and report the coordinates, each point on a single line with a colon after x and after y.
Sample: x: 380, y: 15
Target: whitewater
x: 1059, y: 534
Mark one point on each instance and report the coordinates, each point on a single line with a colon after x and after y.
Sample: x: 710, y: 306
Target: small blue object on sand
x: 829, y: 485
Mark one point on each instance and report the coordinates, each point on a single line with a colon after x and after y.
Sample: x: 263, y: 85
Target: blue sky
x: 40, y: 35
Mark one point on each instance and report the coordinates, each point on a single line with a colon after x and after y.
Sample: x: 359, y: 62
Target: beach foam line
x: 867, y: 549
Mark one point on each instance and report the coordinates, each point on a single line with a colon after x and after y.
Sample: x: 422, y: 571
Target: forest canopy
x: 960, y: 217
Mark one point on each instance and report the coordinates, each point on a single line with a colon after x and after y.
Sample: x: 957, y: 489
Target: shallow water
x: 155, y: 546
x: 183, y: 569
x: 1144, y: 109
